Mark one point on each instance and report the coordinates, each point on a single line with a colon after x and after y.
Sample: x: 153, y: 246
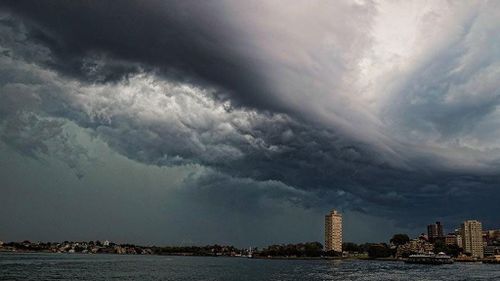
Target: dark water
x: 114, y: 267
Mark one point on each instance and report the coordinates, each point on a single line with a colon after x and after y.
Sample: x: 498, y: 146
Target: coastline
x: 256, y: 257
x: 290, y: 258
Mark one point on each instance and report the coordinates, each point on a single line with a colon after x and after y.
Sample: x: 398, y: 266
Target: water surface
x: 14, y: 266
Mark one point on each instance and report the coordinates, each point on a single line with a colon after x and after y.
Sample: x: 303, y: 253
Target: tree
x: 379, y: 251
x: 400, y: 239
x: 440, y: 246
x: 309, y: 249
x: 452, y: 250
x: 332, y: 254
x: 313, y: 249
x: 363, y: 248
x: 351, y: 247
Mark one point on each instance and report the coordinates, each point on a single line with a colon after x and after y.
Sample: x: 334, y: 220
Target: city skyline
x: 245, y: 122
x: 470, y: 242
x: 333, y: 227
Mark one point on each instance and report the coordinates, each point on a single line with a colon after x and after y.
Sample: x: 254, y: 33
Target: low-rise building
x: 451, y: 239
x: 120, y: 250
x: 459, y: 240
x: 491, y: 237
x: 491, y: 250
x: 413, y: 247
x: 496, y: 258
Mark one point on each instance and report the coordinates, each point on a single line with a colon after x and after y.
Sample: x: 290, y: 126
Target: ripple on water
x: 15, y: 266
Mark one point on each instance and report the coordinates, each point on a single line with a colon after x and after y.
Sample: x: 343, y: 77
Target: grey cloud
x: 168, y: 123
x: 271, y: 113
x: 185, y: 40
x: 281, y: 158
x: 28, y: 133
x: 38, y: 137
x: 453, y: 93
x: 269, y: 56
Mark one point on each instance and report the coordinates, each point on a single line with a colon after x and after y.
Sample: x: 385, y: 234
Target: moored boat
x: 492, y: 259
x: 440, y: 258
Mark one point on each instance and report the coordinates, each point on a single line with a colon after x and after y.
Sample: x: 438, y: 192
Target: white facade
x: 472, y: 238
x: 333, y: 231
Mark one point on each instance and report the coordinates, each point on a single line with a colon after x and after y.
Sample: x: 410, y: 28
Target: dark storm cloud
x: 283, y: 159
x: 142, y: 77
x: 187, y: 40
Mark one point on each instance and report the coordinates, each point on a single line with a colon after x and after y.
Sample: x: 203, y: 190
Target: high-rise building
x: 458, y: 233
x: 333, y: 231
x: 472, y: 238
x: 435, y: 231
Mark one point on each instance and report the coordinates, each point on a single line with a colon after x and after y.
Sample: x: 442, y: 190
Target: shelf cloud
x: 380, y: 109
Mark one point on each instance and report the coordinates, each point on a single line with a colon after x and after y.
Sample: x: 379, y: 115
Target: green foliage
x: 195, y: 250
x: 364, y: 247
x: 440, y: 246
x: 351, y: 247
x: 400, y: 239
x: 379, y: 251
x: 452, y: 250
x: 310, y: 249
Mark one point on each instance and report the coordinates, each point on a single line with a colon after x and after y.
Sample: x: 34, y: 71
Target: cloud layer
x: 371, y: 107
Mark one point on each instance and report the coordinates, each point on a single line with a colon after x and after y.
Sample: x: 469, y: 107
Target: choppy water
x: 108, y: 267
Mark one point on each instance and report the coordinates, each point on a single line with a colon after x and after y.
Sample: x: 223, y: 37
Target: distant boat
x: 492, y: 259
x: 430, y: 258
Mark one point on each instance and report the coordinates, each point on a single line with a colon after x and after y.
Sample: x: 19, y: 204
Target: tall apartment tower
x: 333, y: 231
x: 472, y: 238
x: 435, y: 231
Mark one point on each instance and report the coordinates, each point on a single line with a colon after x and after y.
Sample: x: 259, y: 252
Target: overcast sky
x: 244, y: 122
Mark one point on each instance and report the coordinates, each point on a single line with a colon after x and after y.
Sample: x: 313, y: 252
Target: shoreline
x: 5, y: 251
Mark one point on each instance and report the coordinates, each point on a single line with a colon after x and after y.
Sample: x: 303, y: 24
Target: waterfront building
x: 472, y: 238
x: 333, y: 231
x: 414, y: 246
x: 451, y: 239
x: 423, y: 236
x: 458, y: 234
x: 495, y: 234
x: 460, y: 240
x: 491, y: 250
x: 120, y: 250
x: 492, y: 259
x: 435, y: 231
x: 491, y: 237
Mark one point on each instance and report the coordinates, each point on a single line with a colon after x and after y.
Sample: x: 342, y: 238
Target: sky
x: 245, y: 122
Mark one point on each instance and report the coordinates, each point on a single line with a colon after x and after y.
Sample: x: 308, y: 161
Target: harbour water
x: 17, y: 266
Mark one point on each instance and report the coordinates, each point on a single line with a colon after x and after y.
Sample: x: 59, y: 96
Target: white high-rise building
x: 333, y: 231
x: 472, y: 238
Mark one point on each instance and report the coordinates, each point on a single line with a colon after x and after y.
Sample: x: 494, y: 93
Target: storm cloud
x: 375, y: 108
